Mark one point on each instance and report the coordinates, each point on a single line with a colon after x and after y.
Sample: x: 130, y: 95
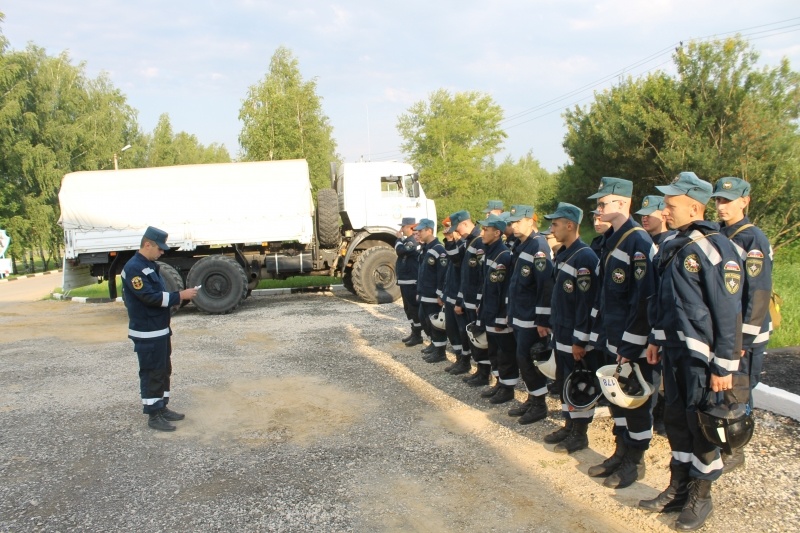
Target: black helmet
x: 581, y: 388
x: 540, y: 350
x: 729, y: 424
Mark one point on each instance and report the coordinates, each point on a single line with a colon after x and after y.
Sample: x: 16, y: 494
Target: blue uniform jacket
x: 432, y: 268
x: 492, y: 312
x: 455, y: 250
x: 531, y: 285
x: 627, y: 282
x: 755, y: 253
x: 407, y: 266
x: 699, y: 297
x: 472, y: 271
x: 574, y: 294
x: 146, y: 299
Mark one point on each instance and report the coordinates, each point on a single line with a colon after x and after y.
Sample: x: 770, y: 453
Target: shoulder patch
x: 584, y: 272
x: 754, y: 263
x: 480, y: 251
x: 618, y: 276
x: 639, y: 256
x: 692, y: 263
x: 756, y: 254
x: 733, y: 277
x: 732, y: 266
x: 137, y: 283
x: 539, y: 254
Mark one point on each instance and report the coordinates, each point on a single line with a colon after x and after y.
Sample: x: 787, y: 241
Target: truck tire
x: 224, y: 284
x: 374, y: 277
x: 327, y: 218
x: 173, y: 280
x: 347, y: 281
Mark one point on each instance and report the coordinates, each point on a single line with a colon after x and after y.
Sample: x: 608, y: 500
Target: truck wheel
x: 224, y: 284
x: 173, y: 280
x: 327, y: 218
x: 374, y: 277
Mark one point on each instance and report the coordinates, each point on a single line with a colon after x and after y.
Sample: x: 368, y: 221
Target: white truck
x: 231, y: 225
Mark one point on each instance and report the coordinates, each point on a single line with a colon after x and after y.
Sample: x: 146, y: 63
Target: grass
x: 101, y: 290
x: 786, y: 272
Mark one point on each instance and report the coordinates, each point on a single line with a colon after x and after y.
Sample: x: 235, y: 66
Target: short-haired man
x: 492, y: 313
x: 407, y: 268
x: 455, y: 249
x: 697, y: 334
x: 148, y: 303
x: 430, y: 287
x: 493, y: 207
x: 461, y: 222
x: 529, y: 293
x: 732, y: 196
x: 621, y: 326
x: 571, y: 307
x: 471, y: 293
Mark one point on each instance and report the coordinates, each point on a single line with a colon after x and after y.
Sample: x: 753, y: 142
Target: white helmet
x: 477, y: 339
x: 548, y: 367
x: 624, y: 385
x: 437, y: 320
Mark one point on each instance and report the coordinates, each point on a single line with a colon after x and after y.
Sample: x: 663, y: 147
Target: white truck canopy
x: 214, y: 204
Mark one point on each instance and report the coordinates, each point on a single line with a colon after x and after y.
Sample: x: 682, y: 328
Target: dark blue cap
x: 731, y: 188
x: 518, y: 212
x: 494, y: 221
x: 568, y: 211
x: 425, y: 223
x: 494, y: 205
x: 618, y: 186
x: 157, y: 236
x: 689, y: 184
x: 408, y: 221
x: 651, y: 204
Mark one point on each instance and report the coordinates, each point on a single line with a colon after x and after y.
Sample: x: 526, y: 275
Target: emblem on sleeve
x: 473, y: 262
x: 584, y: 272
x: 692, y: 263
x: 525, y: 271
x: 584, y: 283
x: 568, y: 286
x: 431, y: 261
x: 443, y: 262
x: 540, y: 261
x: 137, y: 283
x: 733, y: 277
x: 618, y: 275
x: 754, y: 263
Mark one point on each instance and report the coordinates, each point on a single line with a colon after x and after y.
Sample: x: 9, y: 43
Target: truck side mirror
x: 416, y: 189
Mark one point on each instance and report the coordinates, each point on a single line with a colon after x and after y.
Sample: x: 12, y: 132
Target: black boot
x: 674, y: 496
x: 577, y: 439
x: 504, y: 394
x: 171, y: 415
x: 407, y: 337
x: 607, y: 467
x: 537, y: 411
x: 415, y: 338
x: 559, y: 434
x: 480, y: 378
x: 698, y: 507
x: 631, y: 469
x: 454, y: 363
x: 429, y: 349
x: 522, y: 408
x: 554, y: 388
x: 733, y: 461
x: 437, y: 355
x: 491, y: 391
x: 157, y: 421
x: 462, y: 366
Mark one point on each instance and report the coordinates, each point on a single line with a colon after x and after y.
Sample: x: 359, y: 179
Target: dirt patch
x: 91, y: 323
x: 265, y: 411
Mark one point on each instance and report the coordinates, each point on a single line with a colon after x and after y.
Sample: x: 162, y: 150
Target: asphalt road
x: 29, y: 289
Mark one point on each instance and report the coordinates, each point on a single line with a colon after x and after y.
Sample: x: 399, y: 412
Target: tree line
x: 719, y: 115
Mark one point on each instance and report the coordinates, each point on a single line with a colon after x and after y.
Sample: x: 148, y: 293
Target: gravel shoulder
x: 305, y: 413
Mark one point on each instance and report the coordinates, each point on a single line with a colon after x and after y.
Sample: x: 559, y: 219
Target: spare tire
x: 173, y: 280
x: 223, y: 281
x: 374, y: 275
x: 327, y: 218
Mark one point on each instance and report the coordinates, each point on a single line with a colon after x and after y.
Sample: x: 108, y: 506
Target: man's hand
x: 458, y: 310
x: 543, y: 331
x: 578, y: 352
x: 719, y: 383
x: 188, y: 294
x: 653, y: 356
x: 621, y: 360
x: 441, y: 303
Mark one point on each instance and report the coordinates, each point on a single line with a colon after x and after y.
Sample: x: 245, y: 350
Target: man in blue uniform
x: 621, y: 326
x: 732, y: 196
x: 148, y: 304
x: 407, y: 268
x: 529, y: 293
x: 572, y: 299
x: 697, y: 332
x: 430, y: 287
x: 492, y: 312
x: 456, y: 321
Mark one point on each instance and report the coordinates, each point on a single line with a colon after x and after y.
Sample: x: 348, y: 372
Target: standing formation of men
x: 677, y: 298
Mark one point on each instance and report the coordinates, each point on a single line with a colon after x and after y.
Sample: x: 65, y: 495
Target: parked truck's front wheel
x: 173, y: 280
x: 374, y: 276
x: 223, y: 281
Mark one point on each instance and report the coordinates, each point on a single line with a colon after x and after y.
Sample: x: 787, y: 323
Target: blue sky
x: 372, y: 60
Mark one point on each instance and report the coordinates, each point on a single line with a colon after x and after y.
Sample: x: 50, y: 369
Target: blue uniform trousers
x: 426, y: 309
x: 686, y: 388
x: 506, y: 357
x: 535, y: 381
x: 636, y: 425
x: 155, y: 369
x: 410, y: 306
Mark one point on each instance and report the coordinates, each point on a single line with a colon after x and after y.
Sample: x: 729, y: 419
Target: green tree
x: 719, y: 116
x: 451, y: 140
x: 283, y: 119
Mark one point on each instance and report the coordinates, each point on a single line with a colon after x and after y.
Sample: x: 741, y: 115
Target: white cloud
x: 149, y: 72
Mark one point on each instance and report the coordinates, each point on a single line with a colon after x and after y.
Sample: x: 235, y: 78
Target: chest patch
x: 137, y: 283
x: 431, y: 261
x: 525, y: 271
x: 569, y: 286
x: 618, y: 276
x: 691, y: 263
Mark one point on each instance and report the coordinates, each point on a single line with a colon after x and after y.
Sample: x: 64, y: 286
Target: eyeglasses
x: 602, y: 205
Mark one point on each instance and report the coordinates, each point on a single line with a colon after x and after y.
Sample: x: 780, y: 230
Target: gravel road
x: 305, y: 413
